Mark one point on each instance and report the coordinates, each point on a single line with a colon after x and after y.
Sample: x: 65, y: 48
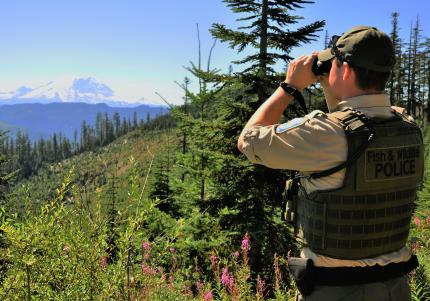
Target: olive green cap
x: 365, y: 47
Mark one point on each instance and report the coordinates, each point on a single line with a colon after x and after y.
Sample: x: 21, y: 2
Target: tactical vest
x: 371, y: 213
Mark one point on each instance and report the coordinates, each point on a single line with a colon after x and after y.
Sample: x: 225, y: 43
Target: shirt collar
x: 365, y: 102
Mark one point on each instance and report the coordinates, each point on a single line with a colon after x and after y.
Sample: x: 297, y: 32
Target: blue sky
x: 139, y: 47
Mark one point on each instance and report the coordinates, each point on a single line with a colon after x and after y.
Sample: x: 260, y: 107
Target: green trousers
x: 392, y: 290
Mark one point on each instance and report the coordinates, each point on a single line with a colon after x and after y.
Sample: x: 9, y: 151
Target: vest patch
x: 290, y: 125
x: 391, y: 163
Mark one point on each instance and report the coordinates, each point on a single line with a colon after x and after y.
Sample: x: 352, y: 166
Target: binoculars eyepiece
x: 319, y: 68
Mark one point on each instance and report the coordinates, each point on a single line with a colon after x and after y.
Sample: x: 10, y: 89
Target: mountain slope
x: 68, y: 89
x: 93, y: 171
x: 72, y: 90
x: 5, y: 127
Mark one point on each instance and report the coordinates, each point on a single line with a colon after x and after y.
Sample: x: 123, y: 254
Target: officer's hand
x: 299, y: 74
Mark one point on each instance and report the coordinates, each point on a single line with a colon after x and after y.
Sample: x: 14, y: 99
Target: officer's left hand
x: 299, y: 74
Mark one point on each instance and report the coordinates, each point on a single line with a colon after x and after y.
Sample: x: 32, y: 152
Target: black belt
x: 307, y: 275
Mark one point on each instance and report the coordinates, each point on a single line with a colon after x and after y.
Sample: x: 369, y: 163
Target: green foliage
x: 150, y: 216
x: 27, y: 158
x: 420, y: 233
x: 420, y: 285
x: 244, y: 197
x: 60, y: 253
x: 266, y: 29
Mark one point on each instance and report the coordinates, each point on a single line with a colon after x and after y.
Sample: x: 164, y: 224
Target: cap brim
x: 325, y: 55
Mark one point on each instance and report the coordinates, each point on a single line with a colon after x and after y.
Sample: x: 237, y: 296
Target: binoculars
x: 319, y: 68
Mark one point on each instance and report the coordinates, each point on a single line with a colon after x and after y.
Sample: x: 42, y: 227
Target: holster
x: 301, y: 269
x: 290, y: 196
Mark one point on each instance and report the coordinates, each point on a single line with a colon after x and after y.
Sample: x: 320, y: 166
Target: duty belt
x: 307, y: 276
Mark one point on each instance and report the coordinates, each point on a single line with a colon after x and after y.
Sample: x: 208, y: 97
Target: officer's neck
x: 347, y: 93
x: 352, y: 90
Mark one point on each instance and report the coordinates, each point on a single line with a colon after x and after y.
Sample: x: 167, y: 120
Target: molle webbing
x: 352, y: 226
x: 370, y: 214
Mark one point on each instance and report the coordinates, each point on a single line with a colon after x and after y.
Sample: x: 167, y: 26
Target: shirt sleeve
x: 308, y: 144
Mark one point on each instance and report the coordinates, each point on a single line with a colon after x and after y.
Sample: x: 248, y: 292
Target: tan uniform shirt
x: 314, y: 143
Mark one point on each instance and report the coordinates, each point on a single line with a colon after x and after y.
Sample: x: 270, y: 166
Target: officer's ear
x: 347, y: 71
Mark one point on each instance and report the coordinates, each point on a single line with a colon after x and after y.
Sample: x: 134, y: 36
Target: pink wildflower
x: 245, y: 242
x: 417, y: 221
x: 236, y: 254
x: 66, y: 249
x: 171, y: 282
x: 261, y: 287
x: 199, y: 285
x: 227, y: 279
x: 214, y: 260
x: 163, y: 277
x: 208, y: 296
x: 147, y: 270
x: 428, y: 220
x: 146, y: 246
x: 103, y: 262
x: 172, y: 250
x: 224, y: 277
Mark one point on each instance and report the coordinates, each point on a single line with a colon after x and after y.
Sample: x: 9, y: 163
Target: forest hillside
x: 169, y: 209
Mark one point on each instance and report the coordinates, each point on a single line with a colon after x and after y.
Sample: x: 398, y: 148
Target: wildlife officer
x: 358, y: 170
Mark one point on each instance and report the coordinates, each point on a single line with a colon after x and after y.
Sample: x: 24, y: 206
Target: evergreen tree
x: 24, y: 158
x: 135, y: 120
x: 148, y: 119
x: 75, y: 141
x: 100, y: 129
x: 110, y: 132
x: 395, y: 82
x: 66, y: 151
x: 124, y: 126
x: 55, y: 148
x: 141, y: 124
x: 161, y: 190
x: 84, y: 137
x: 426, y: 66
x: 117, y: 124
x: 266, y: 30
x: 415, y: 48
x: 250, y: 193
x: 184, y: 86
x: 412, y: 67
x: 6, y: 176
x: 12, y: 147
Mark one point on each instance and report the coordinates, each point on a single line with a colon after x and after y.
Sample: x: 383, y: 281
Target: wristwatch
x: 290, y: 89
x: 294, y: 93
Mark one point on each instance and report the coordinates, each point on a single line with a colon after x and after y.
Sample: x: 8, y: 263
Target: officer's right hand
x: 299, y: 73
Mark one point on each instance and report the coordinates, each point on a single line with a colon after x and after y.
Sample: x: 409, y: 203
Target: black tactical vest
x: 370, y: 214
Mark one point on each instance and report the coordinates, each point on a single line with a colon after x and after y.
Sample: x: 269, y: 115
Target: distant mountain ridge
x: 42, y: 120
x: 65, y: 90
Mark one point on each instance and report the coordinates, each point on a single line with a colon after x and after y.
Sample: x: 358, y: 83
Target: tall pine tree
x: 395, y: 82
x: 266, y: 29
x: 247, y: 196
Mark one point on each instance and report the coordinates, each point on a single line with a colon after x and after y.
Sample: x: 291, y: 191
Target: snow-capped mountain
x: 65, y: 89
